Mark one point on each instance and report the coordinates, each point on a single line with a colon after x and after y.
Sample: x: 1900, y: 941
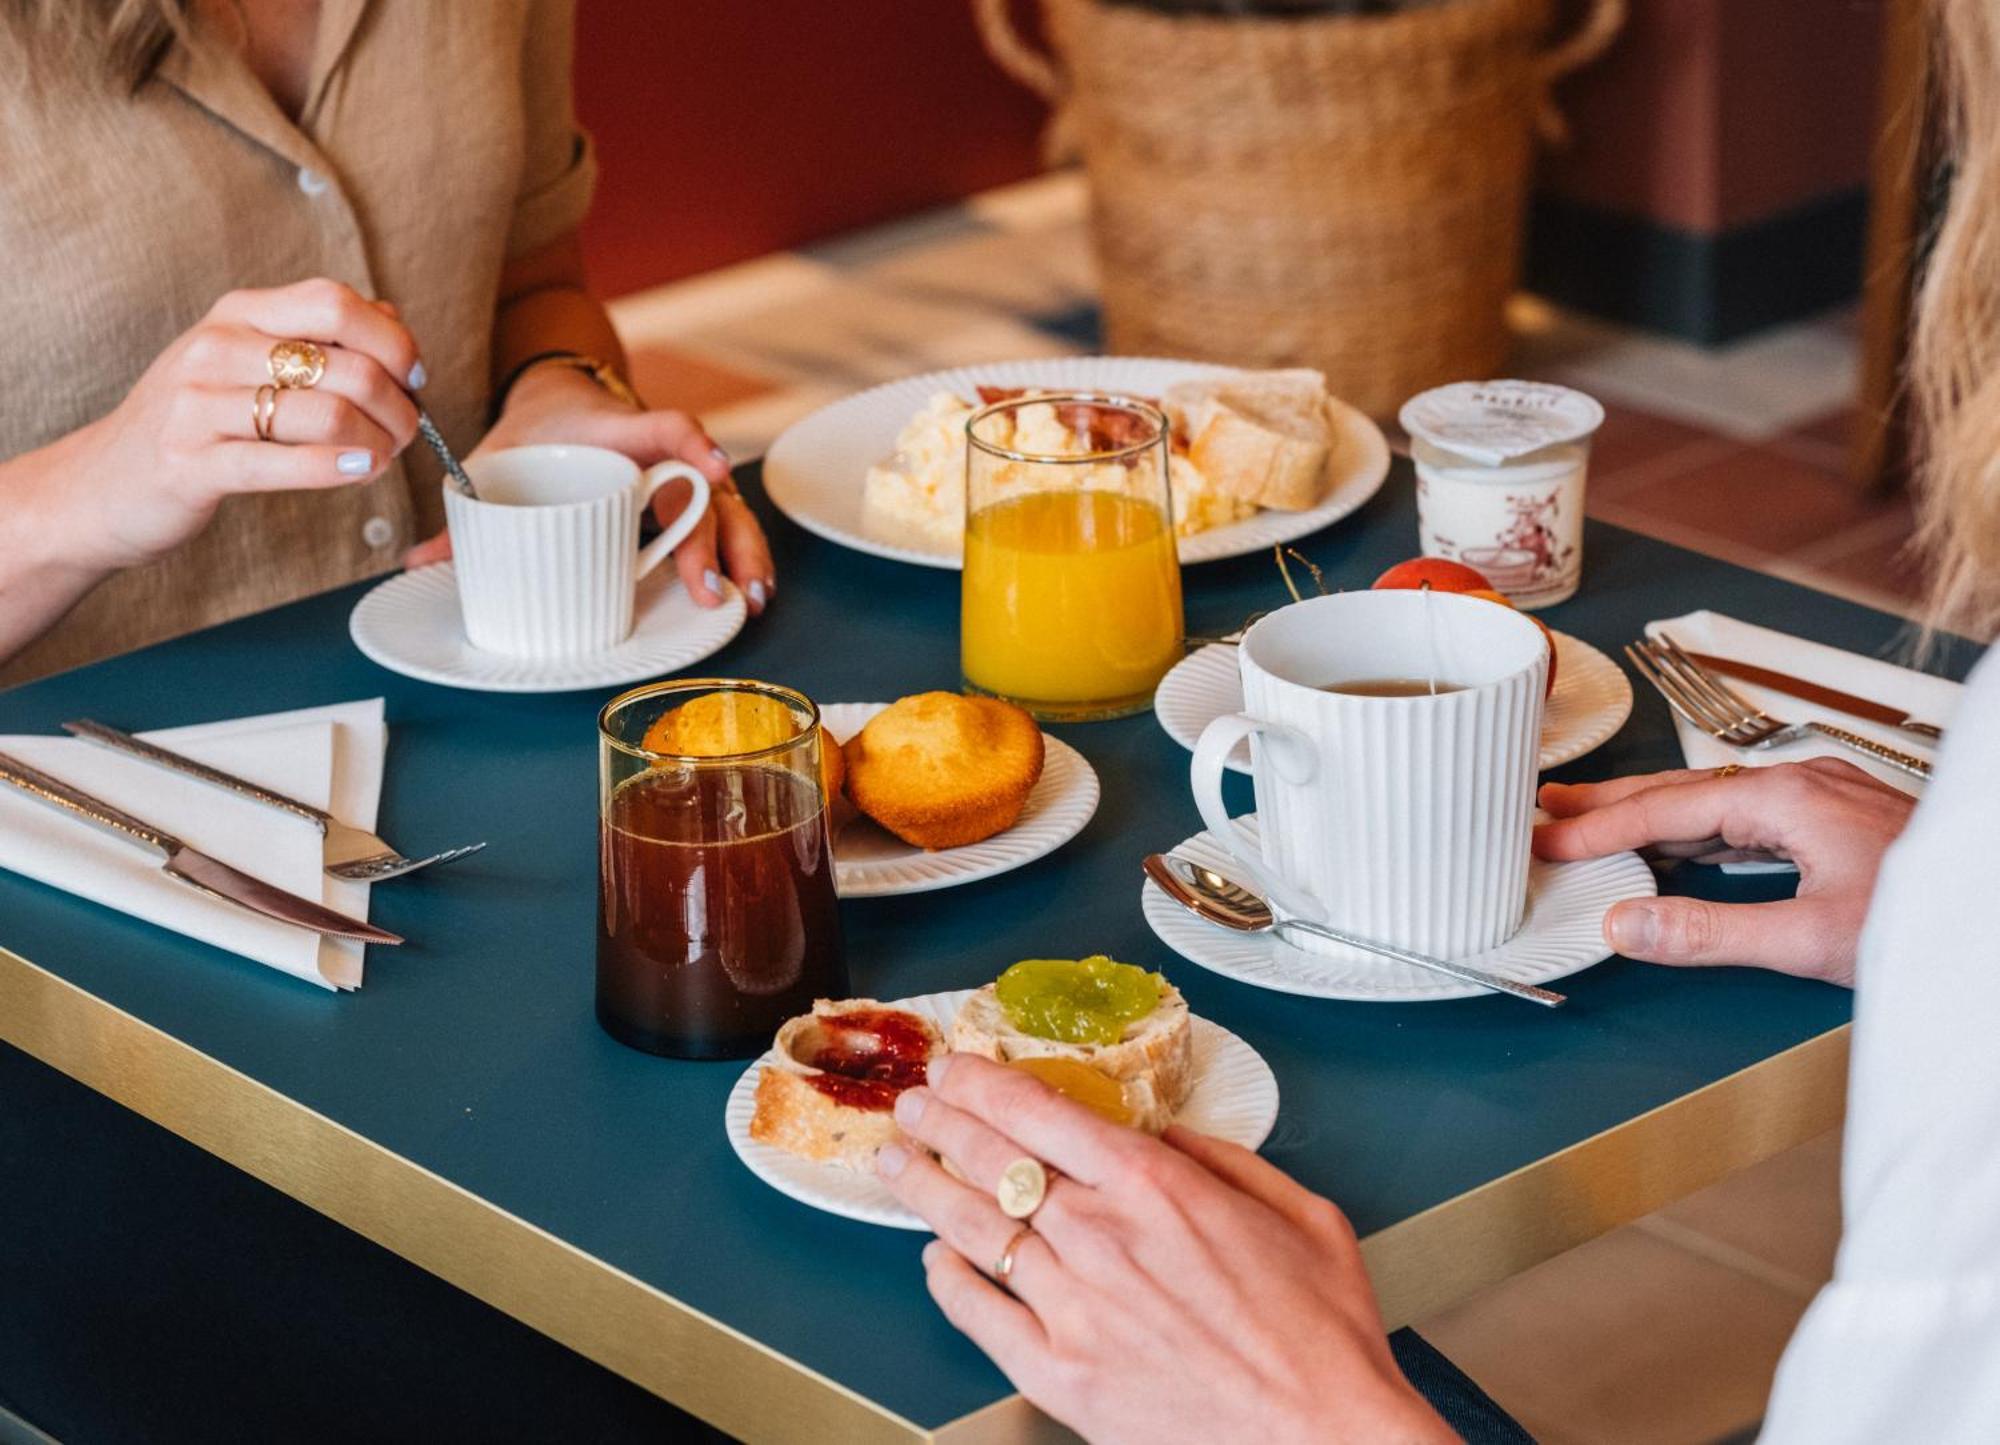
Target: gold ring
x: 1003, y: 1267
x: 1023, y: 1185
x: 1728, y: 770
x: 264, y: 410
x: 297, y: 364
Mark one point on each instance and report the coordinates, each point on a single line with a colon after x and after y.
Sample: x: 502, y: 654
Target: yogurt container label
x: 1494, y: 422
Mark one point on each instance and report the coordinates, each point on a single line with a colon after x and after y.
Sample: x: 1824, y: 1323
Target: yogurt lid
x: 1495, y: 421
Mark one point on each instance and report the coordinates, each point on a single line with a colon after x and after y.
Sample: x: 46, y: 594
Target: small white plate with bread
x: 1260, y: 458
x: 808, y: 1117
x: 949, y: 790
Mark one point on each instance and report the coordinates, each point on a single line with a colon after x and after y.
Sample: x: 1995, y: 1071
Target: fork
x: 1725, y: 715
x: 350, y: 854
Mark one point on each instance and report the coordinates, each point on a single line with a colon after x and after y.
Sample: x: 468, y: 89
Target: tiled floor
x: 1667, y: 1330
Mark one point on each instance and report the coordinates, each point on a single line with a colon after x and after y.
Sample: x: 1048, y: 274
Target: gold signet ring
x: 296, y: 365
x: 1023, y: 1185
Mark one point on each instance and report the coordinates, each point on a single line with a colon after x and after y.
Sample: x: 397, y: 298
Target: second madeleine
x: 940, y: 770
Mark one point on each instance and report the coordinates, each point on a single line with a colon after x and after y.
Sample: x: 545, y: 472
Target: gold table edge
x: 1419, y: 1265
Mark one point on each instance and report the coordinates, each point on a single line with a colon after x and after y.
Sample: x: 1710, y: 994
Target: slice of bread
x: 940, y: 770
x: 1264, y: 436
x: 841, y: 1116
x: 1154, y: 1058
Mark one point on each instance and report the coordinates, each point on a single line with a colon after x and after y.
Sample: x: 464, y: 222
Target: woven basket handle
x: 1032, y: 69
x: 1601, y: 24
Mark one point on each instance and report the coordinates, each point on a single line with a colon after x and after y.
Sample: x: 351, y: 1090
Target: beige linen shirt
x: 437, y: 142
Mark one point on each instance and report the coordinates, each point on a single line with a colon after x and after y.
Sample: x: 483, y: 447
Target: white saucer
x: 814, y: 471
x: 410, y: 624
x: 1235, y: 1097
x: 1593, y: 697
x: 870, y: 862
x: 1562, y: 934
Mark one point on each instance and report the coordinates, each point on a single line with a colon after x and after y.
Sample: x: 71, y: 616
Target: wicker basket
x: 1336, y: 191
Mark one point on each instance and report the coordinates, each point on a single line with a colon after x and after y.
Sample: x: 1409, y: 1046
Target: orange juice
x: 1072, y: 602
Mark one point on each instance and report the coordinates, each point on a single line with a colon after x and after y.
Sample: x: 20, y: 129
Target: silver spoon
x: 1216, y: 899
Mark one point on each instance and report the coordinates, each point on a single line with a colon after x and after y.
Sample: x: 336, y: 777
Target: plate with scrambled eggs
x: 1258, y: 458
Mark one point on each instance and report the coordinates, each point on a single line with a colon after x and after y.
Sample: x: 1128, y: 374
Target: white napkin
x: 330, y: 757
x: 1929, y: 699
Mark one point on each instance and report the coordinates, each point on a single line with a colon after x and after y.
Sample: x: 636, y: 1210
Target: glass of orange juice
x: 1072, y: 591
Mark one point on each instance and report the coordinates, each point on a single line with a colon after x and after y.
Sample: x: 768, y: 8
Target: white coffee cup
x: 548, y: 555
x: 1402, y: 819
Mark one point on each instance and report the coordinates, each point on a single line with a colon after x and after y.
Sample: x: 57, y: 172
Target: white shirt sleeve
x: 1904, y: 1344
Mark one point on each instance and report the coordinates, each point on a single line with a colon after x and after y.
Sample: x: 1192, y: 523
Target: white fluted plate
x: 1235, y: 1097
x: 1592, y: 700
x: 411, y: 624
x: 814, y: 471
x: 870, y: 862
x: 1562, y: 934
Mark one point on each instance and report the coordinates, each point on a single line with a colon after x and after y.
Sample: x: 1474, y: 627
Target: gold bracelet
x: 601, y: 372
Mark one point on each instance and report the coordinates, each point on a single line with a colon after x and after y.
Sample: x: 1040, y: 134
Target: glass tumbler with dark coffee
x: 716, y: 912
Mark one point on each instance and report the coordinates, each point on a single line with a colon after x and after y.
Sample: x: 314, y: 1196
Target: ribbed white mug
x: 1402, y: 819
x: 547, y: 556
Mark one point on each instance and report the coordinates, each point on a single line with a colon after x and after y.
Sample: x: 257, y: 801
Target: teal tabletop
x: 472, y: 1056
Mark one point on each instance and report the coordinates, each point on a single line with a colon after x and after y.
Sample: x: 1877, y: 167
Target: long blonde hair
x: 128, y: 37
x: 1955, y: 351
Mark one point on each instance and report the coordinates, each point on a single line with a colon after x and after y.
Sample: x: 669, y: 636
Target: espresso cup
x: 548, y: 556
x: 1404, y: 819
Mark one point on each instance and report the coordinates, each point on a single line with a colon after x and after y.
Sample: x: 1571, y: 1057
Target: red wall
x: 730, y: 128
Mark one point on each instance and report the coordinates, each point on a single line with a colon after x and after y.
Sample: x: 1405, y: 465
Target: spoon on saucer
x: 1217, y: 899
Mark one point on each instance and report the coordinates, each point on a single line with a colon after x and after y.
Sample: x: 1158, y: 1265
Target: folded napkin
x: 330, y: 757
x: 1930, y: 699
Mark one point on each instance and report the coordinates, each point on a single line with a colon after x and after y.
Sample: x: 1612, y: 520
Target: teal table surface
x: 473, y: 1051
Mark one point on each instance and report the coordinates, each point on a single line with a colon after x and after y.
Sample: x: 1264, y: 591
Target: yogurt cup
x: 1500, y: 475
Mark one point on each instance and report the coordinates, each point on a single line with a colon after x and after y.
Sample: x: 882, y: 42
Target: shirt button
x: 378, y: 531
x: 313, y: 182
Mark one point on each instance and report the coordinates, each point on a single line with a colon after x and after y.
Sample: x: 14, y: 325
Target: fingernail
x: 355, y: 464
x: 757, y: 594
x: 890, y: 1160
x: 1634, y: 928
x: 930, y: 1255
x: 418, y: 376
x: 937, y: 1069
x: 910, y: 1107
x: 719, y: 454
x: 712, y: 582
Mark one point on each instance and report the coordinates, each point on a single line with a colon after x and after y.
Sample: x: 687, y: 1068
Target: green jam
x: 1077, y: 1001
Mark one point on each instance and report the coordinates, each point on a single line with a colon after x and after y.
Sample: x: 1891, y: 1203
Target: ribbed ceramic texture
x: 813, y: 472
x: 1592, y: 700
x: 1562, y: 933
x: 870, y: 862
x: 410, y: 624
x: 1235, y: 1097
x: 1414, y: 825
x: 545, y: 583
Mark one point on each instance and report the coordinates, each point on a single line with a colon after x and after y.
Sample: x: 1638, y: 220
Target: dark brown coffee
x: 1392, y: 687
x: 705, y: 947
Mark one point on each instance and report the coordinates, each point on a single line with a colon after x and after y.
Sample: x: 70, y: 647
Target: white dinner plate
x: 411, y: 624
x: 1593, y: 697
x: 1235, y: 1097
x: 1562, y: 934
x: 870, y: 862
x: 814, y: 471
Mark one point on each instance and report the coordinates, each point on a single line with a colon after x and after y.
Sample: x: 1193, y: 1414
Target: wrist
x: 61, y: 525
x: 535, y: 372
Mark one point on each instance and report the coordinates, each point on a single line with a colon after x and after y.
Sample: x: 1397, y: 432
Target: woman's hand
x: 561, y: 404
x: 185, y: 437
x: 1171, y: 1290
x: 1828, y: 816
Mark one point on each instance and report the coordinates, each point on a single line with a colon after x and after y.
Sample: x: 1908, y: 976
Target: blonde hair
x: 1955, y: 350
x: 128, y: 38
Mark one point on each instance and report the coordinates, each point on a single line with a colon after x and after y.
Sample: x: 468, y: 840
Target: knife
x: 190, y: 865
x: 1814, y: 692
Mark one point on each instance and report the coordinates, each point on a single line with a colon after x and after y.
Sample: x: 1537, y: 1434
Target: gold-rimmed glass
x: 716, y: 919
x: 1071, y: 602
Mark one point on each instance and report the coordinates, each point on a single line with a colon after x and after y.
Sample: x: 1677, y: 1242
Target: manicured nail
x: 910, y: 1107
x: 758, y: 596
x: 712, y: 582
x: 890, y: 1160
x: 355, y: 464
x: 418, y: 376
x: 931, y: 1253
x: 1634, y: 928
x: 937, y: 1069
x: 719, y: 454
